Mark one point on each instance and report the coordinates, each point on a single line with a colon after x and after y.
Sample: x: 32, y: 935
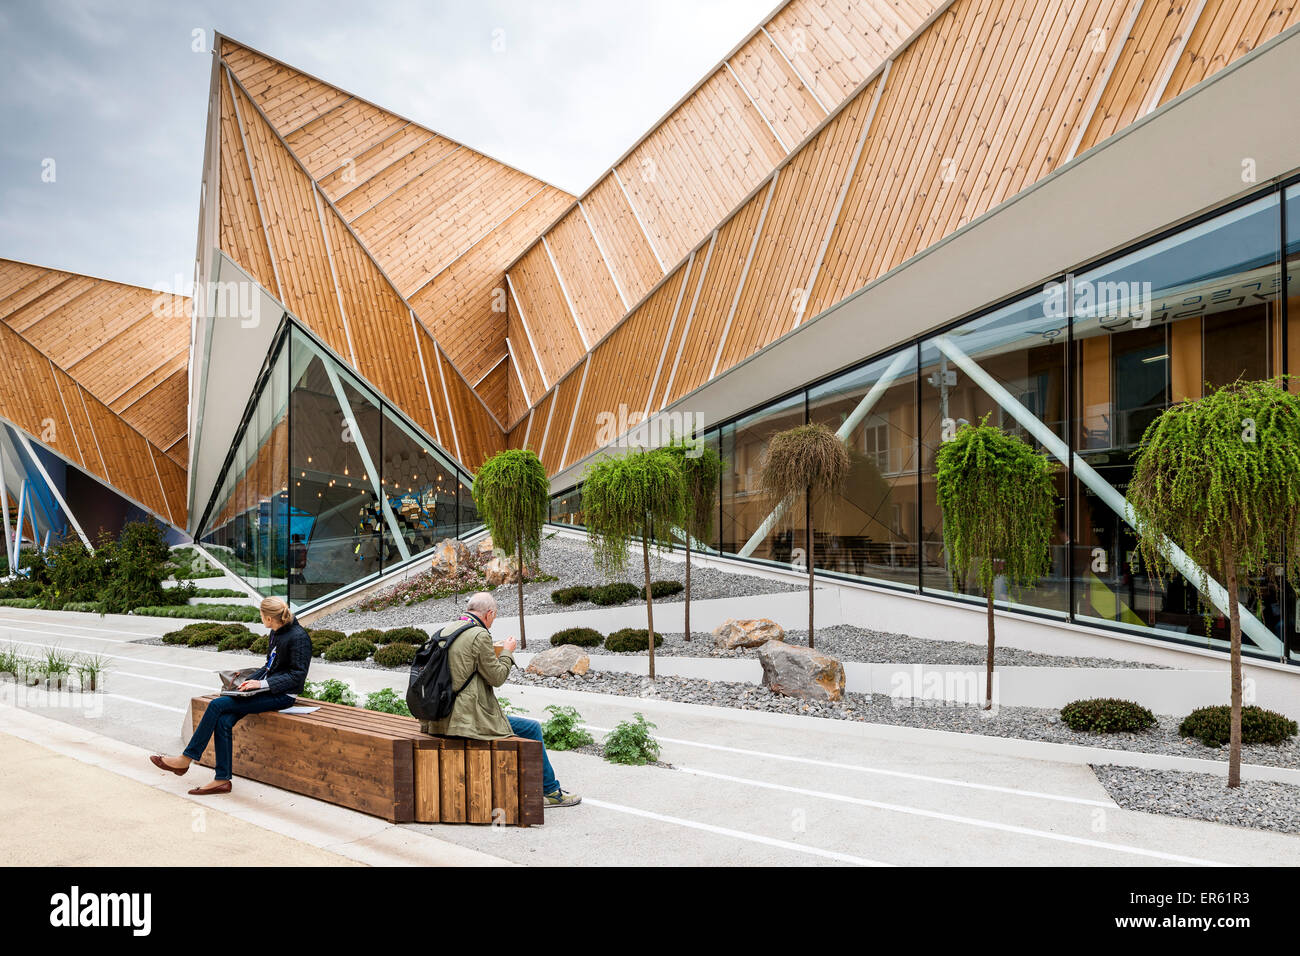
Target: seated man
x: 476, y: 712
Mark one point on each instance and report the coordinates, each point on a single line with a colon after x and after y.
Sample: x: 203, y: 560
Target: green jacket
x: 476, y: 712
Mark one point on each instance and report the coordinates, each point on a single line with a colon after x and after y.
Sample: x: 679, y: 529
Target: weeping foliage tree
x: 798, y: 466
x: 639, y: 495
x: 1221, y: 477
x: 701, y: 470
x: 513, y: 495
x: 999, y: 513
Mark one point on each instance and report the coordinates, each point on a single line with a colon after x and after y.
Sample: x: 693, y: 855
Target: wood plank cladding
x: 406, y: 221
x: 987, y: 99
x: 126, y: 345
x: 692, y: 169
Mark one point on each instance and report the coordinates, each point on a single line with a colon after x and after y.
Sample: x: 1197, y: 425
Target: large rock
x: 755, y: 632
x: 505, y: 571
x: 485, y: 547
x: 559, y: 661
x: 449, y: 554
x: 801, y: 672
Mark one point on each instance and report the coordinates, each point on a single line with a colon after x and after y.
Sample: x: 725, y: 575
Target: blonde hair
x: 276, y: 610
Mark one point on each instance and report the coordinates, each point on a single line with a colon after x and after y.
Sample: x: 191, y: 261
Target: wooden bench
x: 382, y: 764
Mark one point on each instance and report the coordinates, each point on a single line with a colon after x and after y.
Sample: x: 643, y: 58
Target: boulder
x: 500, y: 570
x: 449, y: 554
x: 755, y: 632
x: 559, y: 661
x: 485, y: 547
x: 801, y: 672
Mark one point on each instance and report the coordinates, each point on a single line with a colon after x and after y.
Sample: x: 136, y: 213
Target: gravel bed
x: 571, y: 563
x: 1027, y: 723
x: 849, y: 643
x: 1259, y: 804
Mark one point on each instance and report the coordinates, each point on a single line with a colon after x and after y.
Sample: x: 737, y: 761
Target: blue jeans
x: 220, y: 718
x: 532, y: 730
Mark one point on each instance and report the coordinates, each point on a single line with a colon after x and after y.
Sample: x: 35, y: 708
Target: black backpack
x: 429, y: 693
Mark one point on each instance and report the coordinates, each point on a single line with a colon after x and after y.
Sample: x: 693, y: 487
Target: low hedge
x: 663, y: 589
x: 1212, y: 726
x: 86, y: 607
x: 207, y: 612
x: 573, y: 595
x: 580, y: 636
x: 237, y: 642
x: 203, y: 633
x: 403, y: 635
x: 372, y: 634
x: 631, y: 639
x: 261, y: 645
x: 349, y: 649
x: 619, y: 592
x: 20, y: 602
x: 1107, y: 715
x: 323, y: 637
x: 397, y: 654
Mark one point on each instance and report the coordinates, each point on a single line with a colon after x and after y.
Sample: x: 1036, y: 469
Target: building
x: 889, y: 216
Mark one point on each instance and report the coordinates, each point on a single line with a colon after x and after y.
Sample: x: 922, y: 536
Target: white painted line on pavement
x: 1086, y: 801
x: 163, y: 680
x: 86, y: 627
x: 119, y: 657
x: 146, y: 703
x: 737, y: 834
x: 953, y: 818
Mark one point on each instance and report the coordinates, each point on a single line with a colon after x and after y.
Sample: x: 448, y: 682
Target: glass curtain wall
x: 1078, y: 370
x: 328, y: 485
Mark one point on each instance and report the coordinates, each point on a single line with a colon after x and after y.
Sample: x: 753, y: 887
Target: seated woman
x: 281, y: 679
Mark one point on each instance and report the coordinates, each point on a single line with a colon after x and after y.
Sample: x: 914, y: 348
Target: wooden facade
x: 986, y: 99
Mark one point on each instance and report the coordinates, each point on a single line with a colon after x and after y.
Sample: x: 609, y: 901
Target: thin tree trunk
x: 523, y: 642
x: 1234, y: 620
x: 687, y: 609
x: 988, y: 675
x: 808, y: 511
x: 649, y: 602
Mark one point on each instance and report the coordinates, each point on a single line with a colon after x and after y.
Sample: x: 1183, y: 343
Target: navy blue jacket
x: 287, y: 660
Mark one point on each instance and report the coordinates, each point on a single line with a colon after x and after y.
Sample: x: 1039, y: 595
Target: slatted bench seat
x: 382, y: 764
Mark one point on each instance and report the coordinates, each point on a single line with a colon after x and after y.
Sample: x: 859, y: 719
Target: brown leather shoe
x: 157, y: 761
x: 203, y: 792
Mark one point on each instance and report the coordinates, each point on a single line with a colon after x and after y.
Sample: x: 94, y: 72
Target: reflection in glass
x: 870, y: 530
x: 1208, y: 314
x: 420, y: 486
x: 746, y: 529
x: 1007, y: 367
x: 1290, y: 605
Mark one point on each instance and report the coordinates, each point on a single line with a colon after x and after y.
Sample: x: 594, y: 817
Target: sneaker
x: 562, y: 799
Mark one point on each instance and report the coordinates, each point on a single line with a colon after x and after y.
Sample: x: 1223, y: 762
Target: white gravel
x: 570, y: 562
x: 1260, y: 804
x: 1028, y: 723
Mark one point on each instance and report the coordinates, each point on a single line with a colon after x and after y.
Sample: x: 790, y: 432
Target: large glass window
x: 870, y: 530
x: 1157, y: 326
x: 1006, y: 367
x: 1291, y: 605
x: 420, y: 486
x: 750, y: 528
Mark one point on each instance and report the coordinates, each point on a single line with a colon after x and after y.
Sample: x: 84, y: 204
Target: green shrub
x: 579, y: 636
x: 372, y: 634
x: 1212, y: 726
x: 76, y: 574
x: 332, y: 691
x: 209, y: 612
x: 218, y: 592
x: 349, y: 649
x: 20, y: 602
x: 321, y: 638
x: 205, y: 628
x: 86, y: 607
x: 387, y: 701
x: 631, y: 742
x: 1107, y: 715
x: 397, y: 654
x: 404, y: 635
x: 620, y: 592
x: 631, y: 639
x: 236, y: 642
x: 261, y: 645
x: 181, y: 594
x: 563, y: 731
x: 136, y: 564
x: 507, y: 708
x: 573, y: 595
x: 205, y: 638
x: 663, y: 589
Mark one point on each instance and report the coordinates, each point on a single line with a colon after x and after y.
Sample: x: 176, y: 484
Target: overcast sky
x: 108, y: 100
